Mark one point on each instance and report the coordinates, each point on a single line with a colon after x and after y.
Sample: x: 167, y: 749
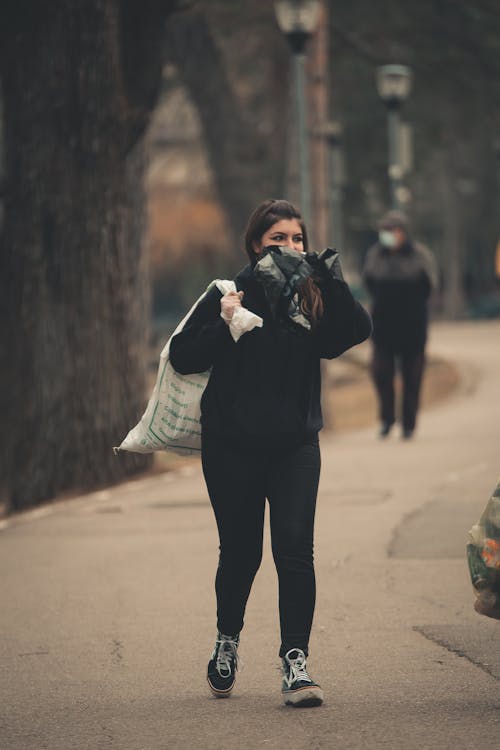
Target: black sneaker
x: 385, y: 429
x: 223, y: 665
x: 298, y: 689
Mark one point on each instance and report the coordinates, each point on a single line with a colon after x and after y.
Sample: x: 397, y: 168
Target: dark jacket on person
x: 400, y: 283
x: 269, y: 382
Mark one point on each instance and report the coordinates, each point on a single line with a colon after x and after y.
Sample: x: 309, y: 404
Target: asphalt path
x: 108, y: 606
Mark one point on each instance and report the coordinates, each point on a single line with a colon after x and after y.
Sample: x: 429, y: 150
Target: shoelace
x: 228, y: 651
x: 298, y: 671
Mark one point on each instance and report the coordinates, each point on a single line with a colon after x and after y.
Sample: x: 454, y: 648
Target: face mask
x: 387, y: 238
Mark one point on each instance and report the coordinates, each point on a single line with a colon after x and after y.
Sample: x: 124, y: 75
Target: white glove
x: 238, y: 318
x: 229, y: 303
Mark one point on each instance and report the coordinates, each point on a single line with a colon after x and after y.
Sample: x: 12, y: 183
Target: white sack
x: 171, y: 421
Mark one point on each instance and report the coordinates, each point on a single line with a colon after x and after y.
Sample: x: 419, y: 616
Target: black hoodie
x: 269, y: 382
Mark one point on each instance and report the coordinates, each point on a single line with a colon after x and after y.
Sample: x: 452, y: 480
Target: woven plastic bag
x: 483, y: 557
x: 171, y: 421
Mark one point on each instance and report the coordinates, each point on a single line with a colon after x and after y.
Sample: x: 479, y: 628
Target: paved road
x: 107, y: 601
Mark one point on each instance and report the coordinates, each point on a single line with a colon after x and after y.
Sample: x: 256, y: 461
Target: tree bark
x: 73, y: 274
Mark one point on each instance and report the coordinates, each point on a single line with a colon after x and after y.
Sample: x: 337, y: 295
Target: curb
x: 97, y: 496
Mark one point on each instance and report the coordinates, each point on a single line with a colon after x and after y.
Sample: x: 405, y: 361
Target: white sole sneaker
x: 220, y: 693
x: 303, y: 697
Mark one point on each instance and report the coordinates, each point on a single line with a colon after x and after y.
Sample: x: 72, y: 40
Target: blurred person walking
x: 260, y: 419
x: 400, y: 275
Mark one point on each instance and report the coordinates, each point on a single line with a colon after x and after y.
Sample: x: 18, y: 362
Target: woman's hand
x: 229, y: 303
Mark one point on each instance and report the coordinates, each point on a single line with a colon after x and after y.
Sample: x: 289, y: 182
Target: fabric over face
x: 281, y: 272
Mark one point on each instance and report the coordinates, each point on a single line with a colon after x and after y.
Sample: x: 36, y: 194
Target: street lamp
x: 297, y: 20
x: 393, y: 85
x: 332, y: 131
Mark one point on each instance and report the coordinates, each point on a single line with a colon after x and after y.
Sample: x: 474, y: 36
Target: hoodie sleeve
x: 204, y: 338
x: 344, y: 323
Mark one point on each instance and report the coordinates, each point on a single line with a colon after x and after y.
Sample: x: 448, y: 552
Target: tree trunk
x: 453, y: 238
x: 244, y: 162
x: 73, y: 273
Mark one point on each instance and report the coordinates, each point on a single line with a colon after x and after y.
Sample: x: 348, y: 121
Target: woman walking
x: 260, y: 417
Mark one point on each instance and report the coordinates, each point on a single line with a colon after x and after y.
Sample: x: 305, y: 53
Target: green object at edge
x: 480, y: 574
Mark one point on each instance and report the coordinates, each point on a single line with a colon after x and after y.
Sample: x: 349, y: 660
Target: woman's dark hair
x: 265, y: 215
x: 263, y: 218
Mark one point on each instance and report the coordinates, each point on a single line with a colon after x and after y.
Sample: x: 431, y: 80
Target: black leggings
x: 240, y: 475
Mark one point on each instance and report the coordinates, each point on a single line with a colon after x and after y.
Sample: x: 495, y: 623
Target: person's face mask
x: 387, y: 238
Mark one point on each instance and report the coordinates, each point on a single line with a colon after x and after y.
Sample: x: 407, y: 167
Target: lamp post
x: 393, y: 85
x: 297, y: 20
x: 496, y: 149
x: 332, y: 131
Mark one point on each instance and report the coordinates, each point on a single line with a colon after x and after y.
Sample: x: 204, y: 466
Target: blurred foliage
x: 453, y: 48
